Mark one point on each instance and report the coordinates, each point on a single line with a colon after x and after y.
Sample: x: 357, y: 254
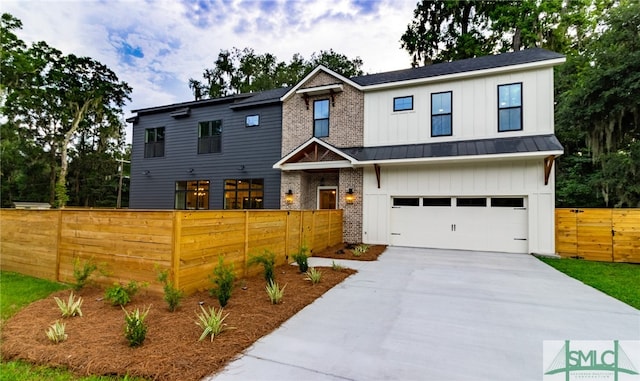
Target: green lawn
x: 17, y: 291
x: 619, y: 280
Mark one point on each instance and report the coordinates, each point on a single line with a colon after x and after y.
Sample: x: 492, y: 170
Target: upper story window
x: 210, y: 136
x: 321, y: 118
x: 441, y: 114
x: 252, y: 121
x: 192, y: 194
x: 403, y: 103
x: 244, y: 194
x: 510, y: 107
x: 154, y: 142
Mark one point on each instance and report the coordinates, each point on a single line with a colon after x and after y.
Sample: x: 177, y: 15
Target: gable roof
x: 312, y: 74
x: 527, y: 56
x: 293, y: 160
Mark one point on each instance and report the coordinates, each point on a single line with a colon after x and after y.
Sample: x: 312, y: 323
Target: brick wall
x: 346, y: 118
x: 352, y: 217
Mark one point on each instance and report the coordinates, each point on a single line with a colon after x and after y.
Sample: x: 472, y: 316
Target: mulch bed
x: 171, y: 351
x: 345, y: 251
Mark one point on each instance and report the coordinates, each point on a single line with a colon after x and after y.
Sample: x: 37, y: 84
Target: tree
x: 243, y: 71
x: 50, y: 98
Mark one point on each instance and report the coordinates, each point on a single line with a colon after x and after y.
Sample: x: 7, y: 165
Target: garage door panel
x: 470, y: 226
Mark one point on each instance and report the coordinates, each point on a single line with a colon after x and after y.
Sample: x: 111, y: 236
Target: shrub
x: 275, y: 292
x: 301, y: 259
x: 82, y: 272
x: 121, y: 295
x: 268, y: 262
x: 211, y: 322
x: 314, y: 275
x: 223, y: 278
x: 360, y: 249
x: 71, y: 307
x: 55, y: 333
x: 336, y: 267
x: 172, y: 295
x: 135, y: 329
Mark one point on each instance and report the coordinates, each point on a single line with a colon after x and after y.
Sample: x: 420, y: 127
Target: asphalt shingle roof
x: 461, y: 66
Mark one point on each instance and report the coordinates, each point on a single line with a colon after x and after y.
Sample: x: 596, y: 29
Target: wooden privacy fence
x: 136, y: 244
x: 611, y: 235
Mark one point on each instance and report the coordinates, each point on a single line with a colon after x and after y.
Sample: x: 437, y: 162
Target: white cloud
x: 173, y: 41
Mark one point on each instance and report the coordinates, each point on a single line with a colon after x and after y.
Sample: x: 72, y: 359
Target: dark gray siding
x: 247, y: 152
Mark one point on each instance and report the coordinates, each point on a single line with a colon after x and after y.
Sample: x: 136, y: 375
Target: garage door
x: 466, y: 223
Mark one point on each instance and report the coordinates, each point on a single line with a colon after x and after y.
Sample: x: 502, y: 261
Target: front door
x: 327, y: 197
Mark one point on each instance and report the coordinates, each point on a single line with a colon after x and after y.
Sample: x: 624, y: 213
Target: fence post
x: 246, y: 241
x: 175, y: 253
x: 58, y: 239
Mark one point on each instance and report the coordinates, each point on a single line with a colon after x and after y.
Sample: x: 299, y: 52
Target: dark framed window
x: 471, y: 201
x: 510, y: 107
x: 154, y: 142
x: 192, y: 194
x: 252, y: 121
x: 403, y: 103
x: 210, y: 136
x: 436, y: 201
x: 507, y: 202
x: 321, y: 118
x: 441, y: 114
x: 244, y: 194
x: 406, y: 201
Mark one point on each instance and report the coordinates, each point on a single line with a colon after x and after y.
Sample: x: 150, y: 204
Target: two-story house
x: 455, y: 155
x: 208, y: 154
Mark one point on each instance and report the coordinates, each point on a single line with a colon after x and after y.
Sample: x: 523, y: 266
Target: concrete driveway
x: 426, y: 314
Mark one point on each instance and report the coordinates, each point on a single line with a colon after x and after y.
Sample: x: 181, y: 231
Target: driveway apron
x: 428, y: 314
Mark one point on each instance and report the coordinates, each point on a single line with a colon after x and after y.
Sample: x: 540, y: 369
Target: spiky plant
x: 56, y: 333
x: 314, y: 275
x: 211, y: 322
x: 71, y: 307
x: 275, y: 292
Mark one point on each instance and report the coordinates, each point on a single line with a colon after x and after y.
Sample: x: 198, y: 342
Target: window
x: 507, y: 202
x: 441, y: 114
x: 436, y: 201
x: 252, y: 121
x: 474, y: 201
x: 510, y: 107
x: 210, y: 137
x: 154, y: 142
x: 192, y: 194
x: 244, y: 194
x: 321, y: 118
x: 403, y: 103
x: 404, y: 201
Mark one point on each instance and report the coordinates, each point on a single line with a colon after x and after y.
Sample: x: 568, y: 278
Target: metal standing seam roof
x: 494, y: 146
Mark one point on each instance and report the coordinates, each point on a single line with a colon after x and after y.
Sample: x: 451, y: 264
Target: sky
x: 156, y: 46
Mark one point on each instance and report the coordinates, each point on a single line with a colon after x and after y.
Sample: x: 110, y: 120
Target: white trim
x: 316, y: 165
x: 467, y: 74
x: 281, y: 163
x: 295, y: 88
x: 325, y: 187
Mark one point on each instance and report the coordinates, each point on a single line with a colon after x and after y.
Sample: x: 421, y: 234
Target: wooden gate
x: 611, y: 235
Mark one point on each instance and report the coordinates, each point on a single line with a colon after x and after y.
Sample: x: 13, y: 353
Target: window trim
x: 209, y: 137
x: 155, y: 142
x: 246, y: 121
x: 395, y: 109
x: 328, y: 118
x: 510, y: 107
x: 450, y: 113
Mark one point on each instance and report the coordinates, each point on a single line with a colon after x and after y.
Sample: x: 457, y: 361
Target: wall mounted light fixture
x: 146, y: 173
x: 288, y: 197
x: 349, y: 196
x: 190, y: 170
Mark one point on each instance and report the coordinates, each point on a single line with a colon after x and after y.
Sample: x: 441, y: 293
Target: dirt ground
x: 345, y: 251
x: 171, y: 351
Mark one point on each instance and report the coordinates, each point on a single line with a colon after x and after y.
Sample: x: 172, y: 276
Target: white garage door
x: 466, y: 223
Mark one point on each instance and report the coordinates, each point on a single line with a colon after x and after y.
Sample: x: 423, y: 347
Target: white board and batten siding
x: 526, y: 229
x: 474, y: 109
